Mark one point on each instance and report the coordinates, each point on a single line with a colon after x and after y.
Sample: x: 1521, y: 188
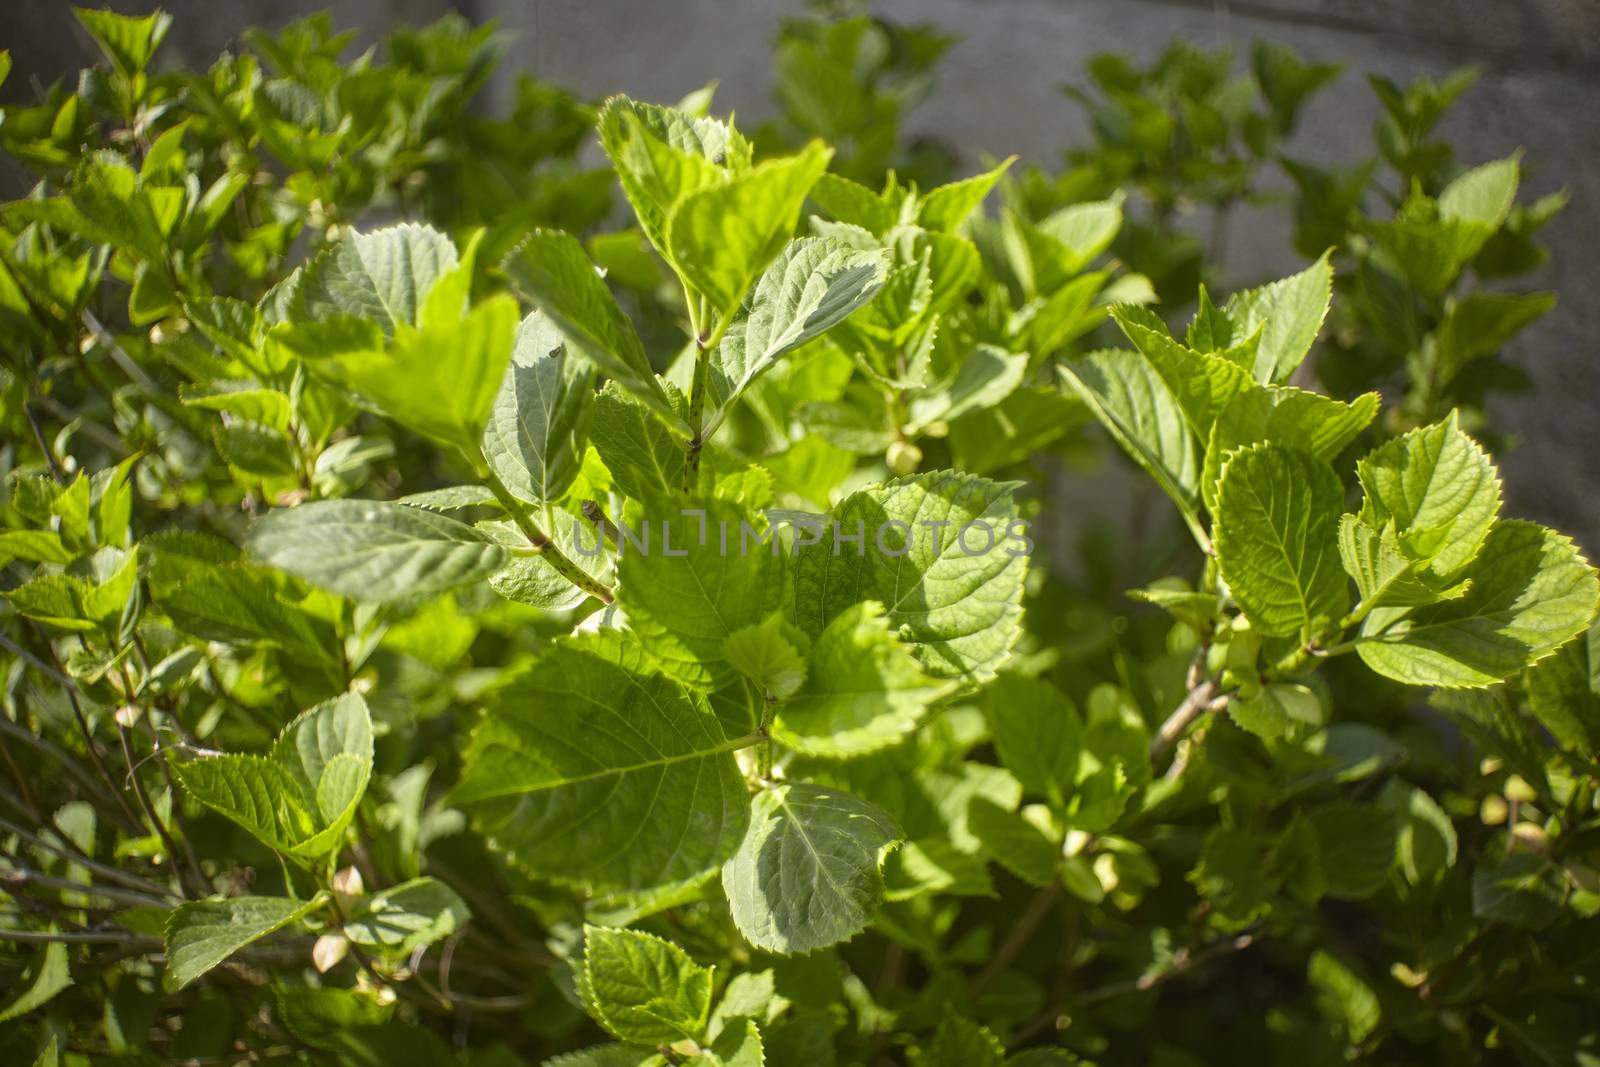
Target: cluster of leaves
x: 681, y: 681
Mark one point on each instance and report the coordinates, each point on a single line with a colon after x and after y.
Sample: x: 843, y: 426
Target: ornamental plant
x: 431, y: 647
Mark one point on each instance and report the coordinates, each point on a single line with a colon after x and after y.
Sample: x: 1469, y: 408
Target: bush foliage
x: 454, y: 614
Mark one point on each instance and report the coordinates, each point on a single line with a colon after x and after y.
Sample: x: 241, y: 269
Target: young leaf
x: 643, y: 989
x: 1439, y: 489
x: 1290, y: 312
x: 863, y: 692
x: 47, y: 975
x: 203, y: 933
x: 946, y: 555
x: 370, y: 550
x: 809, y: 872
x: 1276, y: 537
x: 948, y: 206
x: 662, y: 155
x: 771, y: 655
x: 552, y: 270
x: 399, y: 920
x: 815, y: 283
x: 1531, y: 593
x: 1132, y: 401
x: 1014, y: 842
x: 591, y: 769
x: 1384, y: 576
x: 535, y: 433
x: 721, y: 236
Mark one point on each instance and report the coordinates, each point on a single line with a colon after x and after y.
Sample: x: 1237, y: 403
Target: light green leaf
x: 403, y: 918
x: 1284, y: 415
x: 535, y: 433
x: 530, y: 579
x: 643, y: 989
x: 740, y: 1045
x: 1271, y: 712
x: 699, y: 580
x: 1131, y: 400
x: 864, y: 690
x: 203, y: 933
x: 1290, y: 312
x: 1081, y: 232
x: 946, y: 207
x: 772, y: 655
x: 552, y: 270
x: 814, y: 284
x: 854, y: 204
x: 1483, y: 195
x: 809, y: 872
x: 268, y: 407
x: 46, y: 975
x: 721, y: 236
x: 592, y: 769
x: 982, y: 379
x: 1384, y: 576
x: 383, y: 275
x: 1439, y: 489
x: 952, y: 595
x: 1531, y: 593
x: 129, y: 41
x: 225, y: 599
x: 1276, y: 538
x: 371, y: 550
x: 257, y: 793
x: 662, y: 155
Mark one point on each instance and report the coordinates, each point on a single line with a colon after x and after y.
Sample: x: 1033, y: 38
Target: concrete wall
x: 998, y: 94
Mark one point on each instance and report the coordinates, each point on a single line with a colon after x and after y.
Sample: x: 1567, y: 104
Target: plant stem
x: 1183, y: 716
x: 558, y: 560
x: 1039, y: 909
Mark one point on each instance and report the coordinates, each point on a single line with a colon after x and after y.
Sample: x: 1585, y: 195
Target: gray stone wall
x: 998, y: 94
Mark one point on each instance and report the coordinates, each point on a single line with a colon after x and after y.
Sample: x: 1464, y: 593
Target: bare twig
x: 1194, y: 705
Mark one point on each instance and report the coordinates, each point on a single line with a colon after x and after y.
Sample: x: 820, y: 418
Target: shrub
x: 425, y: 647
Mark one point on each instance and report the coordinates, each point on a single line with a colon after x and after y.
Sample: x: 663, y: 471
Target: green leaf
x: 1483, y: 195
x: 1201, y: 383
x: 399, y: 920
x: 1271, y: 712
x: 1531, y: 593
x: 946, y: 207
x: 46, y: 975
x: 552, y: 270
x: 370, y: 550
x: 1014, y: 842
x: 203, y: 933
x: 643, y: 458
x: 440, y: 379
x: 981, y: 380
x: 591, y: 769
x: 128, y: 41
x: 959, y: 1040
x: 1355, y: 847
x: 224, y: 599
x: 864, y: 691
x: 772, y: 655
x: 1038, y: 734
x: 327, y: 750
x: 1384, y: 576
x: 1284, y: 415
x: 1290, y: 313
x: 952, y: 595
x: 301, y: 799
x: 535, y: 433
x: 246, y: 400
x: 809, y: 871
x: 740, y: 1045
x: 1129, y: 397
x: 698, y: 582
x: 661, y: 155
x: 1522, y: 889
x: 814, y: 284
x: 854, y: 204
x: 1276, y: 538
x: 1078, y: 233
x: 1564, y: 694
x: 1343, y: 996
x: 721, y: 236
x: 643, y: 989
x: 383, y: 275
x: 1439, y: 489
